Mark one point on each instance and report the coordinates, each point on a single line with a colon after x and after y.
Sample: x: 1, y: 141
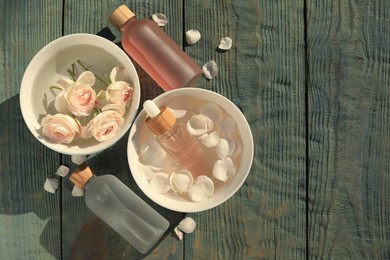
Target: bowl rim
x: 24, y: 88
x: 183, y: 206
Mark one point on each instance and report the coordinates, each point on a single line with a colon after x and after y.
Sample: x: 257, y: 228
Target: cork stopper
x: 120, y: 16
x: 161, y: 123
x: 81, y: 176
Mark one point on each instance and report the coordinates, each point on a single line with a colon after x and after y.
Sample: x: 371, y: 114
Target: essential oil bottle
x: 176, y: 140
x: 155, y: 51
x: 121, y: 208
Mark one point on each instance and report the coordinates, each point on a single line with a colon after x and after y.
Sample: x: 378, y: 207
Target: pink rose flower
x: 120, y: 92
x: 78, y: 97
x: 60, y: 128
x: 104, y: 126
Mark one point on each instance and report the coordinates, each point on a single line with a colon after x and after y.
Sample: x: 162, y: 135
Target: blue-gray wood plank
x: 320, y: 66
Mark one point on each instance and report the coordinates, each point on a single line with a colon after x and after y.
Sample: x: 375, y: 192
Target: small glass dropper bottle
x: 121, y: 208
x: 176, y: 140
x: 155, y: 51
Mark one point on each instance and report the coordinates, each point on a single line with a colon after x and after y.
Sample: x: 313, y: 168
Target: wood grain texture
x: 30, y: 218
x: 348, y: 50
x: 263, y: 74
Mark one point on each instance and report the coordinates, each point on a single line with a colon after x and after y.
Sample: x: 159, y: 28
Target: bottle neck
x: 89, y: 182
x: 128, y: 23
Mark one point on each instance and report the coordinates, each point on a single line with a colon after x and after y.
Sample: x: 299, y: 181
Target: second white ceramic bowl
x: 139, y: 132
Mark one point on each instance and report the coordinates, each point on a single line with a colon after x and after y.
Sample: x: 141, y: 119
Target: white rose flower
x: 77, y: 97
x: 120, y: 92
x: 60, y: 128
x: 104, y: 126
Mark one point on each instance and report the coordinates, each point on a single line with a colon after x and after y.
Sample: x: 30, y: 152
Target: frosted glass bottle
x: 155, y: 51
x: 120, y: 208
x: 176, y: 140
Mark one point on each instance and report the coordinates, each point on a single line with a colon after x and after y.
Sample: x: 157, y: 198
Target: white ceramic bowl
x: 139, y: 132
x: 51, y: 63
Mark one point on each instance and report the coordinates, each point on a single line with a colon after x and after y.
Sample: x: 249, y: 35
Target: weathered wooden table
x: 311, y: 77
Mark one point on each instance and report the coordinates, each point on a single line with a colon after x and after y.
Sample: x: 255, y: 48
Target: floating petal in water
x: 212, y: 111
x: 210, y: 69
x: 202, y: 189
x: 160, y: 182
x: 227, y: 125
x: 224, y: 169
x: 225, y: 147
x: 153, y: 154
x: 225, y: 43
x: 199, y: 125
x: 181, y: 181
x: 192, y: 36
x: 160, y: 19
x: 210, y: 140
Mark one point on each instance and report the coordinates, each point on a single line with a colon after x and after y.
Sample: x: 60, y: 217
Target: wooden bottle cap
x: 120, y: 16
x: 162, y: 122
x: 81, y: 176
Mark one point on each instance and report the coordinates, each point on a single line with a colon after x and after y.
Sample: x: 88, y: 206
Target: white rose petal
x: 210, y: 140
x: 102, y: 99
x: 181, y: 181
x: 77, y: 192
x: 160, y: 182
x: 78, y: 159
x: 86, y: 78
x: 210, y: 69
x: 212, y: 111
x: 227, y: 125
x: 187, y: 225
x: 199, y: 125
x: 224, y: 169
x: 62, y: 171
x: 51, y: 185
x: 160, y: 19
x: 202, y: 189
x: 119, y: 74
x: 225, y: 44
x: 192, y: 36
x: 178, y: 233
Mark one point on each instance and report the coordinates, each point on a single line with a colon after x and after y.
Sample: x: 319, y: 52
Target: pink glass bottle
x: 155, y: 51
x: 176, y: 140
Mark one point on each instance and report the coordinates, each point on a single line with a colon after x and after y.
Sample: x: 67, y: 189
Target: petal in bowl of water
x: 225, y: 147
x: 202, y: 189
x: 199, y: 125
x: 212, y: 111
x: 224, y: 169
x: 160, y: 182
x: 181, y: 181
x: 210, y: 140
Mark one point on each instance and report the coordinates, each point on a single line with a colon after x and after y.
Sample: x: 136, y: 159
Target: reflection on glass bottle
x: 121, y: 208
x: 176, y: 140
